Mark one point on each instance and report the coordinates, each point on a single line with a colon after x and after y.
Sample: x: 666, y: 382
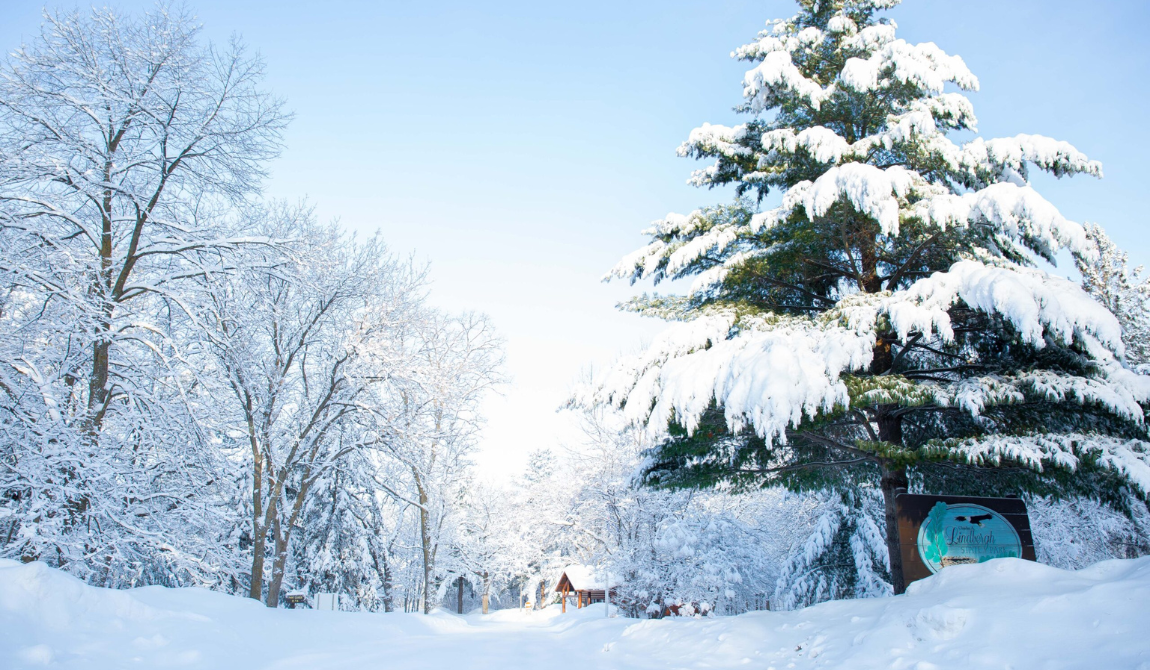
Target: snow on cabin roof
x: 587, y: 578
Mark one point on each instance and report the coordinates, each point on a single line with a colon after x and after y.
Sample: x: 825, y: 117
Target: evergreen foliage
x: 1124, y: 290
x: 885, y: 323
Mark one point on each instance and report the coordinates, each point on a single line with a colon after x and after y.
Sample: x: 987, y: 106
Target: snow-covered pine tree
x: 844, y: 557
x: 1125, y: 291
x: 884, y: 324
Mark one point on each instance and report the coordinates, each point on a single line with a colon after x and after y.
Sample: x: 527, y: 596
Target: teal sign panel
x: 960, y: 533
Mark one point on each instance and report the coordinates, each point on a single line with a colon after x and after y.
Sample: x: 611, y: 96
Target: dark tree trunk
x: 282, y: 534
x: 256, y: 588
x: 279, y: 563
x: 882, y: 355
x: 98, y: 382
x: 425, y: 541
x: 383, y: 566
x: 893, y: 482
x: 102, y: 289
x: 460, y: 595
x: 259, y: 529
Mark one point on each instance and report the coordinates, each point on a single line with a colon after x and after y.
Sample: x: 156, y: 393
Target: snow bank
x: 1003, y: 614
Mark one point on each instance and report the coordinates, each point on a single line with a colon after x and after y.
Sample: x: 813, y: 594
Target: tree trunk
x: 425, y: 541
x: 388, y: 592
x: 383, y: 566
x: 894, y: 482
x: 98, y: 381
x: 278, y: 564
x: 459, y: 603
x: 259, y: 550
x: 255, y: 591
x: 282, y: 533
x: 259, y: 531
x: 486, y: 591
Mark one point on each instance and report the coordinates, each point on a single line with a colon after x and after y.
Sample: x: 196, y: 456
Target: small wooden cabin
x: 587, y: 584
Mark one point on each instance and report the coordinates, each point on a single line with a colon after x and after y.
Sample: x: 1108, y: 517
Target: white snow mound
x: 1005, y: 613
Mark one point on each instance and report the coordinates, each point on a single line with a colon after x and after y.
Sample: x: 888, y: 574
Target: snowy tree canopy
x: 886, y: 311
x: 191, y: 379
x: 124, y: 144
x: 1125, y: 291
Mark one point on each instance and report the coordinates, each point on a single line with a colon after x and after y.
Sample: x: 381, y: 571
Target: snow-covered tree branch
x: 886, y: 318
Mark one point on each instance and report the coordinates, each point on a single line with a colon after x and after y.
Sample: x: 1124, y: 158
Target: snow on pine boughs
x: 769, y: 374
x: 885, y: 300
x: 1129, y: 457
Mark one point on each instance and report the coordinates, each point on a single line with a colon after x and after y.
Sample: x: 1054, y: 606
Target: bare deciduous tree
x: 117, y: 137
x: 431, y: 424
x: 301, y: 339
x: 124, y: 141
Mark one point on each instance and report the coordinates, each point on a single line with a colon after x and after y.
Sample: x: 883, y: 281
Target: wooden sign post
x: 939, y: 531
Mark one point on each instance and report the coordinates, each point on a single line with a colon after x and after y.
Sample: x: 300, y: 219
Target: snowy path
x: 1004, y: 614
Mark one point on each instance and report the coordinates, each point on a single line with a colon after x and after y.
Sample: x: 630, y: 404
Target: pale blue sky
x: 520, y: 147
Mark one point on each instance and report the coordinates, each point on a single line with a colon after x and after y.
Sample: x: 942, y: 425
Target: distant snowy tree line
x: 711, y: 551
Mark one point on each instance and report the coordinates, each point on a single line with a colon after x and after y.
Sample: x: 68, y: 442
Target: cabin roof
x: 584, y: 578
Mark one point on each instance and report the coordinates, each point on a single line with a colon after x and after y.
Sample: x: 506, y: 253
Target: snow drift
x: 1006, y: 613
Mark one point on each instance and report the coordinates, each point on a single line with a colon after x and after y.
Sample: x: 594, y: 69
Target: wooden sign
x: 939, y: 531
x: 295, y: 598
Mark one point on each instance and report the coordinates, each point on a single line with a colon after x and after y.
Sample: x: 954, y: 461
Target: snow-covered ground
x: 1003, y: 614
